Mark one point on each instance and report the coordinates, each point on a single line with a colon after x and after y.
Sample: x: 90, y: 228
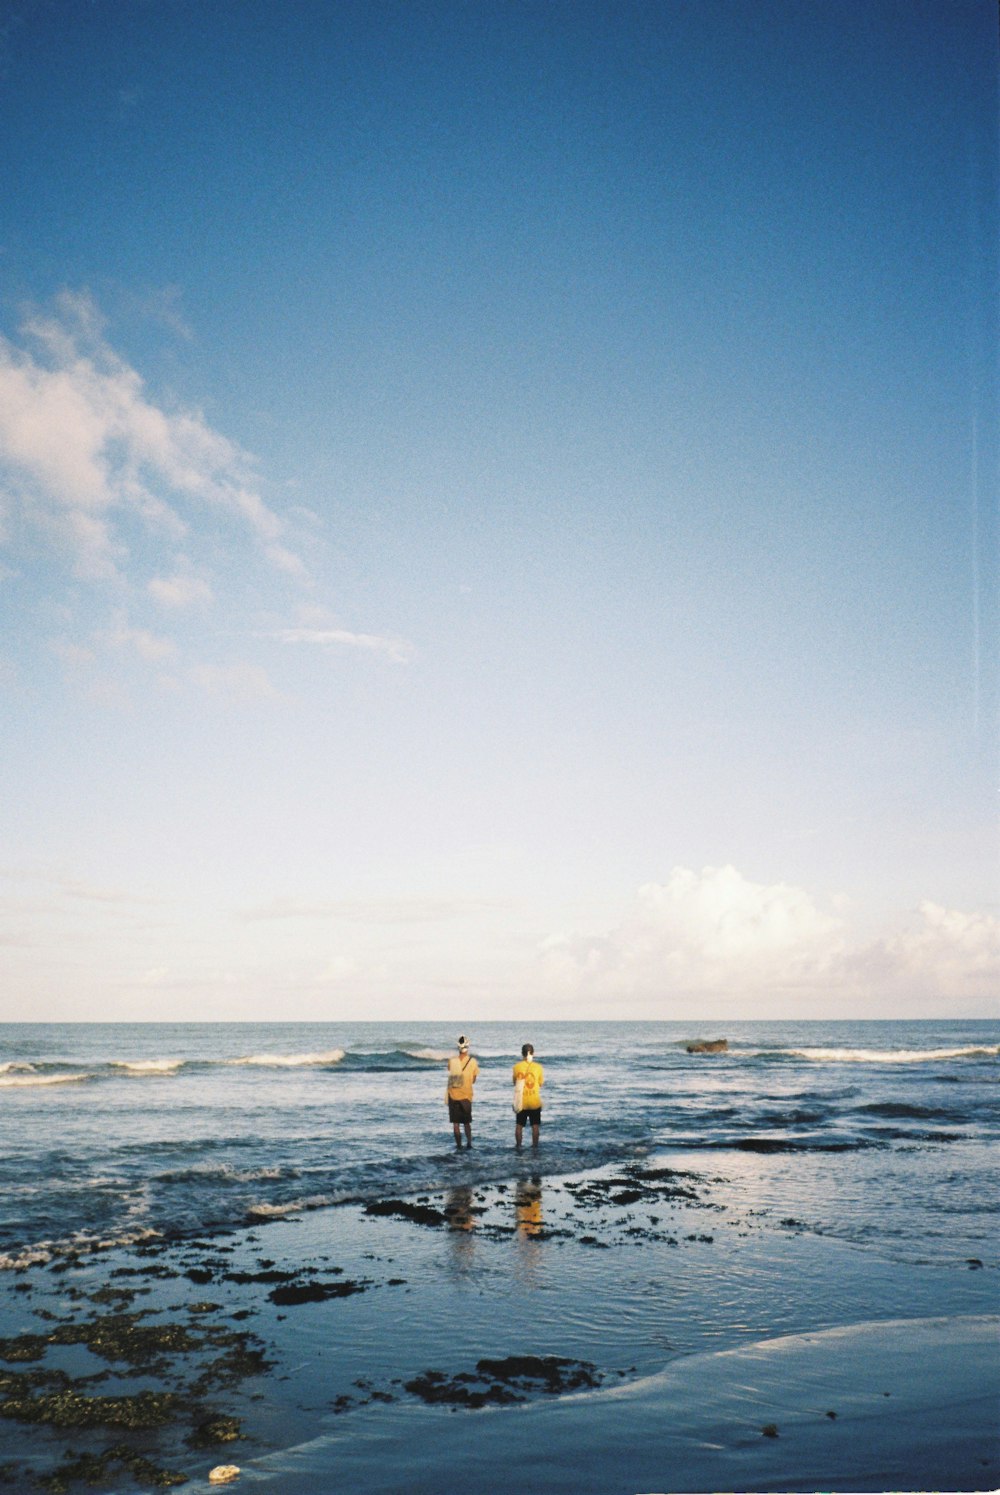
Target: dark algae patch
x: 405, y: 1209
x: 493, y: 1383
x: 496, y: 1382
x: 97, y: 1469
x: 314, y: 1292
x: 112, y: 1337
x: 71, y: 1408
x: 215, y: 1431
x: 189, y: 1353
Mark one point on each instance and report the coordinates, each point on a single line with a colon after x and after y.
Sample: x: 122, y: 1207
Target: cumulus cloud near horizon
x: 716, y: 934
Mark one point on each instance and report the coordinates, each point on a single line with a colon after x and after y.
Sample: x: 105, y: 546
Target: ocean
x: 881, y: 1134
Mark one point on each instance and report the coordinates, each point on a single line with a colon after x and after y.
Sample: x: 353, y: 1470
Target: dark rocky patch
x: 708, y: 1046
x: 269, y: 1275
x: 500, y: 1382
x: 96, y: 1469
x: 70, y: 1408
x: 112, y: 1337
x: 214, y: 1431
x: 314, y: 1292
x: 404, y: 1209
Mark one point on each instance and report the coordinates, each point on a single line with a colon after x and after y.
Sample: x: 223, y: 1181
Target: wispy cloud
x: 85, y: 452
x: 149, y: 646
x: 180, y: 591
x: 413, y: 910
x: 399, y: 650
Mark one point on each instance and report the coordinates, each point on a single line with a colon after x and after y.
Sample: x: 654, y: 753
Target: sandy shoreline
x: 630, y: 1330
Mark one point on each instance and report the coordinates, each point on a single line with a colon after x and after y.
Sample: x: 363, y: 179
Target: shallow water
x: 881, y: 1134
x: 681, y: 1206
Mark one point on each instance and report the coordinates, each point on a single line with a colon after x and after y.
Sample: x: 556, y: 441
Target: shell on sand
x: 223, y: 1473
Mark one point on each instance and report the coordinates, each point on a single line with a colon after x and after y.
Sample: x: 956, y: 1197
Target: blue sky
x: 498, y: 509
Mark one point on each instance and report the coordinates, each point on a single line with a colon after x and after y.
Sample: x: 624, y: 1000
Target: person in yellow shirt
x: 462, y: 1072
x: 531, y: 1077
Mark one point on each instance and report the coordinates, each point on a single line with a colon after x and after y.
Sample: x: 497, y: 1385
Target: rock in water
x: 708, y: 1046
x: 223, y: 1473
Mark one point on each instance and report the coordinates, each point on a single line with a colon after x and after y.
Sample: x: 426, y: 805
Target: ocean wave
x: 908, y: 1110
x: 148, y: 1066
x: 9, y: 1081
x: 798, y: 1144
x: 436, y: 1056
x: 223, y: 1173
x: 289, y: 1061
x: 13, y: 1064
x: 889, y: 1056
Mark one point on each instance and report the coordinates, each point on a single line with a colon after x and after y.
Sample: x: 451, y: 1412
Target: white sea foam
x: 31, y: 1256
x: 8, y: 1080
x: 43, y: 1251
x: 265, y: 1211
x: 438, y: 1056
x: 893, y: 1056
x: 15, y: 1064
x: 148, y: 1066
x: 290, y: 1061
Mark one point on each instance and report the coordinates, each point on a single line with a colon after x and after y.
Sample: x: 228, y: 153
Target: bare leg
x: 468, y: 1134
x: 518, y: 1134
x: 458, y: 1134
x: 534, y: 1134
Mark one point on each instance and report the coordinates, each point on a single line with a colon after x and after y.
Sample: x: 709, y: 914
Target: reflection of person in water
x: 528, y: 1205
x: 461, y: 1217
x: 458, y: 1208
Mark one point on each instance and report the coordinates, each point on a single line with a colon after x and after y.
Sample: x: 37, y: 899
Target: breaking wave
x: 148, y: 1066
x: 289, y: 1061
x: 10, y: 1081
x: 887, y: 1056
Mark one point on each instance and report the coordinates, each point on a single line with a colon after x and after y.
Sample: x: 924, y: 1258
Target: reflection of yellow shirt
x: 462, y: 1071
x: 533, y: 1076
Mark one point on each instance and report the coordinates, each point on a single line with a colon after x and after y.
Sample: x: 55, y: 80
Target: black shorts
x: 459, y: 1110
x: 530, y: 1118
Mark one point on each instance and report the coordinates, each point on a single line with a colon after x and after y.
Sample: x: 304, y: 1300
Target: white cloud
x: 379, y: 911
x: 338, y: 969
x: 712, y: 931
x: 180, y: 591
x: 149, y: 646
x: 945, y: 951
x: 756, y: 948
x: 83, y: 450
x: 399, y: 650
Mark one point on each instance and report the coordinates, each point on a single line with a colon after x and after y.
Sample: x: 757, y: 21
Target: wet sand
x: 635, y: 1330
